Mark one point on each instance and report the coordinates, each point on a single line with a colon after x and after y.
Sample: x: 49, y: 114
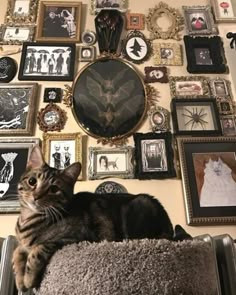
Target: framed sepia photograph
x: 111, y: 162
x: 228, y: 124
x: 167, y: 54
x: 98, y: 5
x: 220, y: 87
x: 16, y: 34
x: 18, y: 105
x: 154, y: 155
x: 195, y: 116
x: 189, y: 86
x: 135, y: 21
x: 224, y: 11
x: 208, y: 168
x: 62, y: 149
x: 47, y: 62
x: 14, y: 155
x: 59, y: 21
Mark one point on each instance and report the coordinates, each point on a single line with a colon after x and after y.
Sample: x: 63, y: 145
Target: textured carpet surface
x: 145, y: 267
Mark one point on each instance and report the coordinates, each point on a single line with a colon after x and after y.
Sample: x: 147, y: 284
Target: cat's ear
x: 73, y: 171
x: 36, y: 159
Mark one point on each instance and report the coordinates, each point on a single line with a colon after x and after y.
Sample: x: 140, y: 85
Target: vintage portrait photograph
x: 228, y: 124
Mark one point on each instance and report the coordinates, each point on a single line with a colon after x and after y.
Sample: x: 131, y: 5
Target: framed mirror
x: 109, y: 99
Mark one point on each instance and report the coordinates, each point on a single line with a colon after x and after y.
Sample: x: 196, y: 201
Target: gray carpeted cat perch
x: 145, y: 267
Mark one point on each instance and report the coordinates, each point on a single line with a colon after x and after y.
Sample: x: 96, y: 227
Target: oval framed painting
x: 109, y: 99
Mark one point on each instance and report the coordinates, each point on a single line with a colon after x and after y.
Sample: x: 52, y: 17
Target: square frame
x: 220, y: 87
x: 14, y: 39
x: 87, y: 53
x: 168, y: 54
x: 198, y: 117
x: 104, y: 163
x: 189, y: 86
x: 135, y: 21
x: 27, y: 17
x: 212, y: 48
x: 63, y: 71
x: 66, y: 21
x: 154, y: 155
x: 97, y: 6
x: 224, y: 14
x: 228, y: 125
x: 21, y: 103
x: 207, y: 22
x: 72, y: 149
x: 53, y: 95
x: 197, y: 156
x: 10, y: 204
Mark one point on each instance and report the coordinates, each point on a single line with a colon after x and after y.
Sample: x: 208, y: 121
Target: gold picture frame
x: 16, y: 34
x: 167, y: 54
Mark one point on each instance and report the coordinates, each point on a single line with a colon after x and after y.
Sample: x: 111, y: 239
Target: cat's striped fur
x: 52, y: 216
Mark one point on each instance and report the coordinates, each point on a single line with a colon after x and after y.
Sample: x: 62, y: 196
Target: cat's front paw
x: 31, y: 280
x: 19, y: 279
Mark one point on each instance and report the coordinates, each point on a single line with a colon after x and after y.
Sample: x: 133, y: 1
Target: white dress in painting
x: 219, y: 187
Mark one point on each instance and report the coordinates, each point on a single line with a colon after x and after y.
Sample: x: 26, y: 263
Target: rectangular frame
x: 135, y: 21
x: 87, y: 53
x: 67, y: 28
x: 189, y: 86
x: 21, y: 103
x: 192, y: 116
x: 10, y: 204
x: 228, y: 125
x: 71, y: 143
x: 54, y: 71
x: 154, y: 155
x: 97, y: 6
x: 167, y: 54
x: 8, y: 37
x: 104, y: 163
x: 28, y: 16
x: 225, y: 106
x: 197, y: 156
x: 222, y: 90
x: 224, y: 15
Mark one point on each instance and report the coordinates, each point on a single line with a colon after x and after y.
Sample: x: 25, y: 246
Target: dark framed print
x: 220, y: 87
x: 18, y: 105
x: 228, y: 124
x: 136, y: 47
x: 204, y: 54
x: 208, y: 168
x: 135, y: 21
x: 47, y: 62
x: 156, y: 74
x: 16, y: 34
x: 59, y: 21
x: 225, y: 106
x: 109, y: 99
x: 14, y: 154
x: 195, y: 116
x: 52, y: 95
x: 154, y: 155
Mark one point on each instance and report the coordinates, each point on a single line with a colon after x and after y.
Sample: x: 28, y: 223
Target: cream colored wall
x: 168, y: 191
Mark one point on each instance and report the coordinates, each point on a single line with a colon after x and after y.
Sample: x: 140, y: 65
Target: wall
x: 168, y: 191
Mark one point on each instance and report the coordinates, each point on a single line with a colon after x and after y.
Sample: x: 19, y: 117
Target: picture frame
x: 154, y: 155
x: 19, y: 104
x: 16, y: 34
x: 204, y: 55
x: 156, y: 74
x: 59, y: 21
x: 88, y: 38
x: 87, y: 53
x: 220, y: 87
x: 159, y: 119
x: 228, y: 125
x: 62, y: 149
x: 52, y: 95
x: 135, y: 21
x: 16, y: 152
x: 199, y: 20
x: 21, y: 12
x: 47, y: 62
x: 224, y: 11
x: 189, y: 86
x: 206, y: 163
x: 225, y: 106
x: 110, y: 162
x: 98, y: 5
x: 196, y: 117
x: 167, y: 54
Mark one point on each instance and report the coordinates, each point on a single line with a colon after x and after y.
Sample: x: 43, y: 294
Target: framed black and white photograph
x: 47, y: 62
x: 14, y: 154
x: 87, y: 53
x: 98, y: 5
x: 204, y: 55
x: 16, y: 34
x: 154, y: 155
x: 168, y: 54
x: 195, y: 116
x: 59, y: 21
x: 220, y: 87
x: 208, y: 168
x: 228, y: 124
x: 62, y: 149
x: 52, y: 95
x: 18, y: 108
x: 111, y: 162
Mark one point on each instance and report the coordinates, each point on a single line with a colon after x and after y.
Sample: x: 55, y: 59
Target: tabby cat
x: 52, y: 216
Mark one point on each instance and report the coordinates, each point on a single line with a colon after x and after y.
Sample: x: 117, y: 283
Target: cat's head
x: 42, y: 186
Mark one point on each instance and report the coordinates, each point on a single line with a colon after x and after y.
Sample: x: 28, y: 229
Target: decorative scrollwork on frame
x: 67, y: 96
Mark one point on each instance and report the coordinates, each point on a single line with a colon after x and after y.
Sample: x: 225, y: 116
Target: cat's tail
x: 180, y: 234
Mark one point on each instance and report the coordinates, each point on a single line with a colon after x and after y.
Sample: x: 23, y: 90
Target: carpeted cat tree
x: 147, y: 267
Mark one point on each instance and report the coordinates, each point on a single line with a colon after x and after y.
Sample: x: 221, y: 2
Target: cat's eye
x: 32, y: 181
x: 54, y: 189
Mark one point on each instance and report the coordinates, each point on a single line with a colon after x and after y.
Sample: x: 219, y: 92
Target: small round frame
x: 88, y: 38
x: 110, y: 187
x: 51, y: 118
x: 159, y: 119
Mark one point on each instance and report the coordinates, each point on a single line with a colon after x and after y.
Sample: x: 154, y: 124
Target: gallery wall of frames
x: 142, y: 95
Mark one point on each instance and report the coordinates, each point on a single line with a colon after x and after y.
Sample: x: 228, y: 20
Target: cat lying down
x: 52, y: 216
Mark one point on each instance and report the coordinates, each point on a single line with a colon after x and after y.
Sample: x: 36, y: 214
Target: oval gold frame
x: 156, y: 31
x: 116, y: 139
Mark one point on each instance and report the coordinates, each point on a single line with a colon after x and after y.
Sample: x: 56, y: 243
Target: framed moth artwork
x: 208, y: 168
x: 224, y: 11
x: 168, y: 54
x: 16, y: 34
x: 14, y: 154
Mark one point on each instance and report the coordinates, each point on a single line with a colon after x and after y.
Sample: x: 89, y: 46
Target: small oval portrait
x: 157, y: 118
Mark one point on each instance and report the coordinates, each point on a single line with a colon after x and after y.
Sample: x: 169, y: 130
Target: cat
x: 52, y: 216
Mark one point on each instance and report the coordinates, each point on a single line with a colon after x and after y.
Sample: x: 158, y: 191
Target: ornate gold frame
x: 156, y: 31
x: 177, y: 59
x: 164, y: 114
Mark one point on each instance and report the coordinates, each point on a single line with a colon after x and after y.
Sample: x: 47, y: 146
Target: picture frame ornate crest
x: 168, y: 54
x: 173, y: 15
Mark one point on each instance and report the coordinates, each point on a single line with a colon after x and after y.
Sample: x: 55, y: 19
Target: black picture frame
x: 204, y: 55
x: 50, y: 69
x: 154, y: 155
x: 196, y: 117
x: 199, y: 161
x: 52, y: 95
